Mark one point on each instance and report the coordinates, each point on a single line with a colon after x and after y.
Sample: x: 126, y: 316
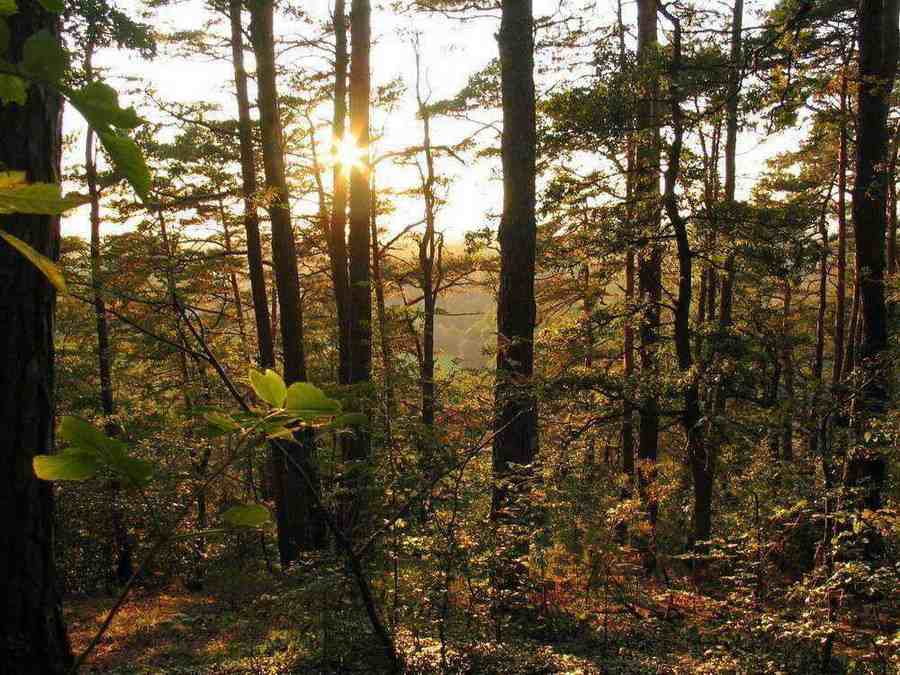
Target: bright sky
x: 452, y: 50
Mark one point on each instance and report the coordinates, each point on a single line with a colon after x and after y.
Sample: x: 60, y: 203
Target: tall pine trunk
x: 358, y: 447
x: 32, y: 634
x: 650, y: 258
x: 337, y: 242
x: 266, y: 348
x: 878, y: 47
x: 515, y: 413
x: 300, y: 525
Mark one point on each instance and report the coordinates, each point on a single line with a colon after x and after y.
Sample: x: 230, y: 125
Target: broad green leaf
x: 12, y: 87
x: 53, y: 6
x: 43, y: 57
x: 81, y: 434
x: 246, y: 515
x: 222, y: 422
x: 99, y: 104
x: 67, y: 465
x: 308, y: 399
x: 85, y: 437
x: 269, y: 387
x: 42, y: 198
x: 8, y: 7
x: 42, y: 262
x: 137, y: 472
x: 127, y: 158
x: 354, y: 419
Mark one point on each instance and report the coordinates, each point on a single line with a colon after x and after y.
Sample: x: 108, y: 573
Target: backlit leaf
x: 309, y: 400
x: 128, y: 159
x: 43, y: 57
x: 269, y: 387
x: 67, y: 465
x: 12, y: 87
x: 42, y: 262
x: 246, y: 515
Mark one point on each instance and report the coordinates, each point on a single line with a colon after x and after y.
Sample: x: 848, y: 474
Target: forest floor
x: 263, y: 628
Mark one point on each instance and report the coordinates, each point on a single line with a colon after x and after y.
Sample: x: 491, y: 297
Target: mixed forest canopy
x: 449, y: 336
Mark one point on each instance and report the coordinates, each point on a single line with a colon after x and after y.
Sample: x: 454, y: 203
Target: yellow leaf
x: 42, y: 262
x: 9, y: 179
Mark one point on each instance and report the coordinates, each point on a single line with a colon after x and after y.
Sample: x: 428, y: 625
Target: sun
x: 347, y: 154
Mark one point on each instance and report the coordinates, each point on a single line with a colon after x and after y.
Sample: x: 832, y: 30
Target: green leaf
x: 85, y: 437
x: 246, y: 515
x: 42, y: 198
x: 269, y: 387
x: 354, y: 419
x: 8, y: 7
x: 307, y: 399
x: 128, y: 159
x: 12, y: 87
x: 99, y: 104
x: 43, y: 57
x: 221, y: 422
x: 81, y: 434
x: 67, y: 465
x: 43, y: 263
x: 53, y: 6
x: 137, y: 472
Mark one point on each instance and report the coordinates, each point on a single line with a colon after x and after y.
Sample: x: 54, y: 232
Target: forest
x: 449, y: 336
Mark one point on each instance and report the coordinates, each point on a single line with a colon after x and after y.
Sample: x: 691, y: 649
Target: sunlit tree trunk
x: 515, y: 414
x: 337, y: 243
x: 427, y: 252
x: 32, y: 633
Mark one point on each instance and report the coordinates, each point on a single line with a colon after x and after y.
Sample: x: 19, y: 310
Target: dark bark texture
x: 32, y: 634
x: 515, y: 423
x: 878, y: 44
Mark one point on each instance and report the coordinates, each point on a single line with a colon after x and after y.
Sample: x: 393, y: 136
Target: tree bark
x: 878, y: 47
x: 266, y: 347
x: 647, y: 196
x: 338, y: 236
x: 840, y: 300
x: 358, y: 447
x: 300, y: 524
x: 515, y: 413
x: 32, y: 633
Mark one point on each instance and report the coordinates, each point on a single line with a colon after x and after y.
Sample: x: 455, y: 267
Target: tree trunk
x: 358, y: 448
x: 338, y: 236
x: 427, y: 251
x: 787, y: 368
x: 840, y: 300
x: 878, y: 47
x: 701, y: 461
x: 649, y: 260
x: 387, y: 356
x: 300, y: 525
x: 266, y: 347
x: 233, y: 282
x: 32, y: 633
x: 515, y: 412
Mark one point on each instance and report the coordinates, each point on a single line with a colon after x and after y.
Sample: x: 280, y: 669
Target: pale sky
x: 452, y: 51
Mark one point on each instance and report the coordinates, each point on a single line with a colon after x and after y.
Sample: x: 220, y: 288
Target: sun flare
x: 347, y: 154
